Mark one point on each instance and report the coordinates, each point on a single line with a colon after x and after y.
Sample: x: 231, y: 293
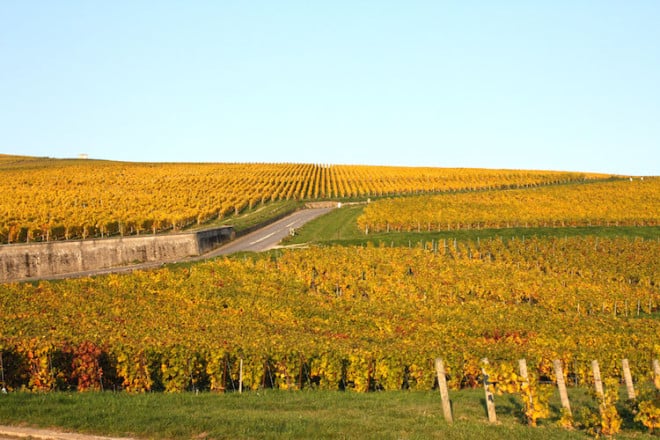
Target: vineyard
x: 49, y: 199
x: 349, y: 317
x: 620, y: 203
x: 361, y: 318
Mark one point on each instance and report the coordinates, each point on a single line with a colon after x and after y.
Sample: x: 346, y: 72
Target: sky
x: 554, y: 85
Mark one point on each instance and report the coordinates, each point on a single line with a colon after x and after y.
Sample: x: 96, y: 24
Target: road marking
x: 263, y: 238
x: 290, y: 224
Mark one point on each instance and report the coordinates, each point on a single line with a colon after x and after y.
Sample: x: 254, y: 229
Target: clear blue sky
x: 562, y: 85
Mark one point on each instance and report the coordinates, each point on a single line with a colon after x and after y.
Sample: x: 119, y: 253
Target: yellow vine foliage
x: 610, y: 420
x: 49, y: 199
x: 617, y: 203
x: 358, y: 318
x: 649, y: 414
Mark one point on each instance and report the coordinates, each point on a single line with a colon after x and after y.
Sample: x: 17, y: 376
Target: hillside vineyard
x: 580, y: 309
x: 617, y: 203
x: 355, y: 317
x: 48, y: 199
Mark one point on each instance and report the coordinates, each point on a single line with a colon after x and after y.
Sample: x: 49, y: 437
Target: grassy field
x: 273, y: 414
x: 340, y: 227
x: 254, y: 217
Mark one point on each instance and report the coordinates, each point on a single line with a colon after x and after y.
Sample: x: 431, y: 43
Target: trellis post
x: 598, y: 383
x: 444, y: 392
x: 240, y: 376
x: 490, y: 400
x: 561, y: 384
x: 522, y: 365
x: 627, y: 377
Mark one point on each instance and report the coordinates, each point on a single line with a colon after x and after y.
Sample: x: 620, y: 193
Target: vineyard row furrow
x: 43, y: 200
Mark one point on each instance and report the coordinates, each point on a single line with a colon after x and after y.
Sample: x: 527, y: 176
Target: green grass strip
x: 340, y: 227
x: 271, y: 414
x: 256, y: 216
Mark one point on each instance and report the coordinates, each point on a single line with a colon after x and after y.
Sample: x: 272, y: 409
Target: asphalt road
x: 260, y: 240
x: 269, y: 236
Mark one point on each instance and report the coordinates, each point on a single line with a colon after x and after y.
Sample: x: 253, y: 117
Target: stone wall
x: 21, y: 261
x: 212, y: 238
x: 325, y: 204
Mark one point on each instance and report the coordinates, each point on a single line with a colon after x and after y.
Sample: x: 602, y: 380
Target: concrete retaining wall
x: 326, y: 204
x: 212, y: 238
x: 20, y: 261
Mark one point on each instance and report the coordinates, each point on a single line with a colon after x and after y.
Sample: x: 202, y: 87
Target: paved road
x: 260, y: 240
x: 271, y: 235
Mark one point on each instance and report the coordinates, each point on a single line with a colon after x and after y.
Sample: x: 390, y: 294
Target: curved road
x: 269, y: 236
x: 260, y: 240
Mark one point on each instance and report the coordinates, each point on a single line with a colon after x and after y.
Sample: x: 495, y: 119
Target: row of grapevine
x: 362, y: 317
x: 620, y: 203
x: 534, y: 392
x: 42, y: 199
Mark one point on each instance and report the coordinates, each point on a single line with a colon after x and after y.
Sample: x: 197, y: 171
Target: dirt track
x: 14, y: 432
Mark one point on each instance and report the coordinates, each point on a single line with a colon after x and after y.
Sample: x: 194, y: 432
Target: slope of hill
x: 364, y: 318
x: 52, y: 199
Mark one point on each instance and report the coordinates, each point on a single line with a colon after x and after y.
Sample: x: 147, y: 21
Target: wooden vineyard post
x: 598, y: 383
x: 522, y: 365
x: 627, y: 377
x: 240, y: 376
x: 3, y: 390
x: 490, y: 400
x: 444, y: 392
x: 656, y: 372
x: 561, y: 384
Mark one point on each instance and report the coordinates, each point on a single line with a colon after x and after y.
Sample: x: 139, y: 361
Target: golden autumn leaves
x: 618, y: 203
x: 365, y: 317
x: 46, y: 200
